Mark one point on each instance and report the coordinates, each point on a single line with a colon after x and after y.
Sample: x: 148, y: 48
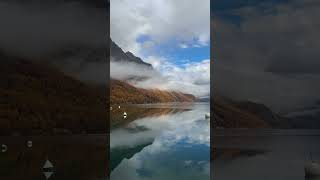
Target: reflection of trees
x: 229, y: 153
x: 135, y: 113
x: 136, y: 128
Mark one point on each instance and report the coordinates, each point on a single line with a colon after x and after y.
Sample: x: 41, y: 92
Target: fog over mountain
x: 34, y: 29
x: 70, y: 34
x: 267, y: 52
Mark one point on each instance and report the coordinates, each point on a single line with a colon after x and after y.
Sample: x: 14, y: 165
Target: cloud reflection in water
x: 180, y: 146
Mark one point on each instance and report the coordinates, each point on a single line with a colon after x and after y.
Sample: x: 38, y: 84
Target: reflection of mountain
x: 132, y: 130
x: 41, y: 99
x: 118, y: 154
x: 180, y: 141
x: 122, y: 91
x: 230, y: 114
x: 134, y: 113
x: 228, y: 153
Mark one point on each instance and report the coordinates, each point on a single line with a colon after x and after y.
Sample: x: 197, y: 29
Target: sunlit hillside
x: 124, y: 93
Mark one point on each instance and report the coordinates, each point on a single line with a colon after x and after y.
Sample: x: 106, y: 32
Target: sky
x: 267, y: 52
x: 172, y: 36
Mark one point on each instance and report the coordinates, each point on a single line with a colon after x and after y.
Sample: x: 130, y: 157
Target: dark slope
x: 39, y: 99
x: 245, y: 114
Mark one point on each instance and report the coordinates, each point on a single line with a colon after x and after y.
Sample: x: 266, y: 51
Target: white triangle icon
x: 48, y: 165
x: 47, y: 174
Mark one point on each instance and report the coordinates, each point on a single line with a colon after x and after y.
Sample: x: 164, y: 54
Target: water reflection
x: 172, y: 145
x: 268, y: 157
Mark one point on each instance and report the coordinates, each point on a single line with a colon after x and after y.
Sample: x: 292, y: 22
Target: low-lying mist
x: 172, y: 79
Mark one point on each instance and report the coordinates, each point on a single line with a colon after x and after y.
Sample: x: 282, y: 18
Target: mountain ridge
x: 40, y: 99
x: 118, y: 55
x: 122, y: 91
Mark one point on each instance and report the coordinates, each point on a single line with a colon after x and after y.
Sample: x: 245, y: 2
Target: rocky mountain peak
x: 119, y: 55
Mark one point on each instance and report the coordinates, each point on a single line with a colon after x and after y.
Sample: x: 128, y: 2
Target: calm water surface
x: 165, y: 142
x: 265, y: 154
x: 79, y: 157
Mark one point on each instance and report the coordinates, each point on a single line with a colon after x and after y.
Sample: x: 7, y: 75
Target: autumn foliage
x: 39, y: 99
x: 124, y: 93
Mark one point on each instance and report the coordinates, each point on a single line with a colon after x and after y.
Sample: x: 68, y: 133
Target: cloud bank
x: 34, y: 29
x: 138, y: 26
x: 160, y: 20
x: 268, y: 53
x: 192, y: 78
x: 71, y: 34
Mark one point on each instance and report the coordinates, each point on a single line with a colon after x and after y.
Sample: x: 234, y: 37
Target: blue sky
x: 179, y: 52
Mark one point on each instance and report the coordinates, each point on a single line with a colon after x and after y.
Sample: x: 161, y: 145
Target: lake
x: 160, y: 141
x: 264, y: 154
x: 81, y: 157
x: 164, y: 141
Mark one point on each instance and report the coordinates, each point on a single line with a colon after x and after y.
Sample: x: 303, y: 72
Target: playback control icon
x: 48, y: 169
x: 4, y: 148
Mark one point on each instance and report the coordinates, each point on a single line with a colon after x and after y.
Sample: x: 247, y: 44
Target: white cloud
x: 192, y: 78
x: 37, y: 29
x: 183, y: 46
x: 160, y: 20
x: 271, y: 56
x: 125, y: 70
x: 173, y: 134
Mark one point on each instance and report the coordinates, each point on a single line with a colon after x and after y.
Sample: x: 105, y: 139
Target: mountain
x: 265, y: 114
x: 124, y: 93
x: 305, y: 118
x: 118, y: 55
x: 229, y: 114
x: 41, y: 99
x: 85, y: 63
x: 245, y: 114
